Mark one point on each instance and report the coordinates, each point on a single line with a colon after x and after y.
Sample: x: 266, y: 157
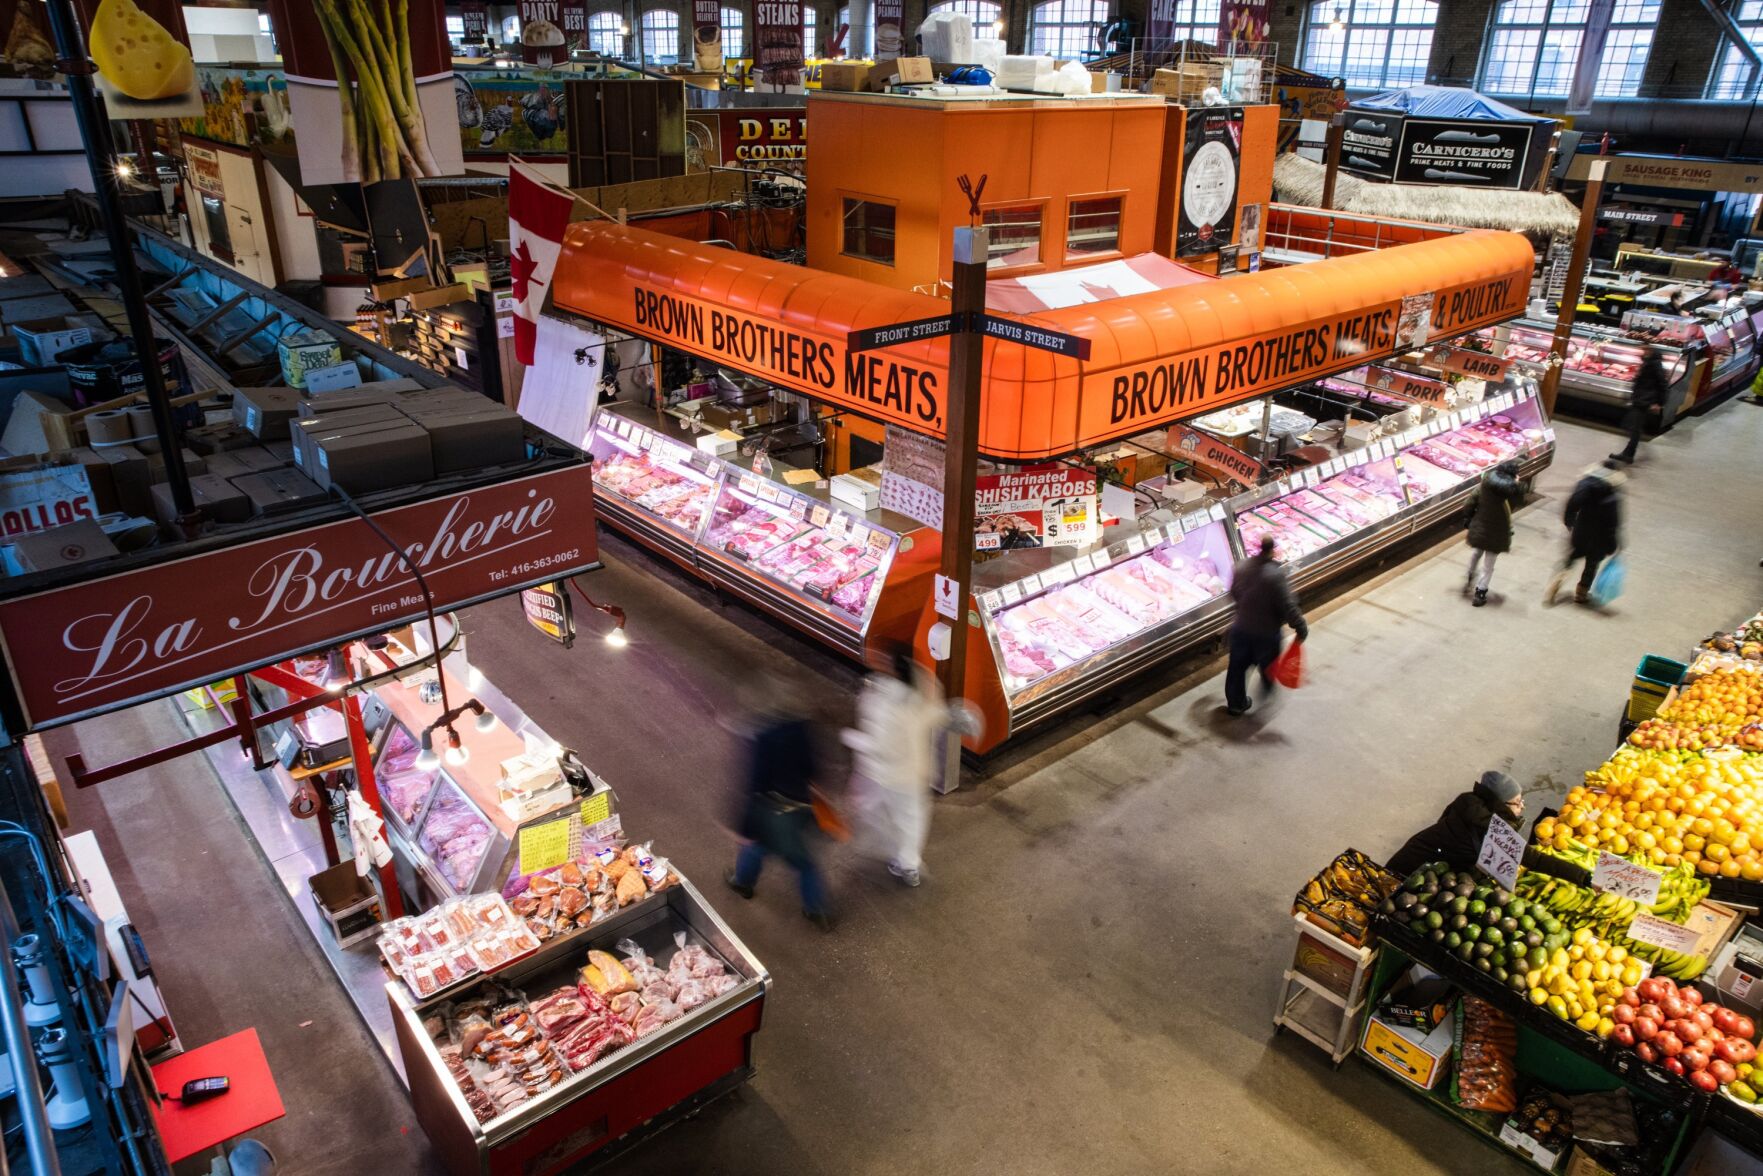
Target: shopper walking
x: 1264, y: 606
x: 1490, y: 526
x: 1456, y: 837
x: 901, y: 717
x: 1646, y: 397
x: 1594, y: 526
x: 776, y: 813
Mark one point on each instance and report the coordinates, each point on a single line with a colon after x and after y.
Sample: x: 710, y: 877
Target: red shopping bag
x: 1288, y: 667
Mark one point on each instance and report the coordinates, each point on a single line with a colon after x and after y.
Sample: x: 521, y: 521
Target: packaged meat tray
x: 403, y: 786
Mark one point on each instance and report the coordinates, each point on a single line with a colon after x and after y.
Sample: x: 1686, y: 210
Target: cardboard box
x: 474, y: 440
x: 265, y: 412
x: 1580, y: 1163
x: 216, y: 498
x: 307, y: 349
x: 369, y: 459
x: 39, y: 424
x: 1187, y: 81
x: 1737, y: 972
x: 218, y: 437
x: 98, y: 474
x: 844, y: 75
x: 901, y: 70
x: 1420, y: 1057
x: 62, y: 547
x: 131, y: 478
x: 305, y: 432
x: 41, y: 340
x: 193, y: 464
x: 1520, y: 1141
x: 236, y: 463
x: 278, y: 491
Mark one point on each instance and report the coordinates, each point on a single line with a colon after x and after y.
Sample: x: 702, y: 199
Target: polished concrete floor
x: 1087, y: 977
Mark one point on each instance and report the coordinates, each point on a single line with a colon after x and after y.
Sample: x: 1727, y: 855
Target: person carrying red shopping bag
x: 1264, y: 606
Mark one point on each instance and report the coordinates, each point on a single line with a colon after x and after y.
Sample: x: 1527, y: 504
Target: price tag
x: 989, y: 602
x: 1010, y: 593
x: 1031, y: 585
x: 1101, y: 558
x: 748, y: 485
x: 878, y: 540
x: 1083, y: 565
x: 798, y: 508
x: 596, y: 808
x: 767, y: 492
x: 1501, y: 851
x: 1216, y: 513
x: 835, y: 526
x: 818, y: 515
x: 1656, y: 931
x: 1625, y: 879
x: 544, y: 847
x: 622, y: 427
x: 1136, y: 544
x: 859, y: 535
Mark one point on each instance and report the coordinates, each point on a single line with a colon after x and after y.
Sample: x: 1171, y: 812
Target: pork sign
x: 108, y: 643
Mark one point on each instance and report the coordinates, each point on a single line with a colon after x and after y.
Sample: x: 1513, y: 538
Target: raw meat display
x: 577, y: 895
x: 455, y: 836
x: 1611, y: 359
x: 829, y: 562
x: 454, y: 941
x: 1070, y: 622
x: 403, y: 786
x: 646, y: 479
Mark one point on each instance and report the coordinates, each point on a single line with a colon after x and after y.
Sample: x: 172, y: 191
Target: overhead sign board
x: 97, y: 646
x: 1696, y: 175
x: 547, y: 609
x: 1641, y: 216
x: 1030, y: 335
x: 1464, y: 153
x: 873, y: 337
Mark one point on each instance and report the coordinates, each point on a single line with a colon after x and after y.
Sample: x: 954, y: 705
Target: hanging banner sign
x: 1210, y: 161
x: 141, y: 49
x: 96, y: 646
x: 1160, y: 27
x: 1050, y: 506
x: 777, y: 41
x: 1591, y: 56
x: 1697, y: 175
x: 890, y: 23
x: 474, y: 15
x: 1463, y: 152
x: 1405, y: 386
x: 542, y: 40
x: 1211, y: 453
x: 548, y: 610
x: 1464, y: 362
x: 1368, y: 144
x: 707, y: 35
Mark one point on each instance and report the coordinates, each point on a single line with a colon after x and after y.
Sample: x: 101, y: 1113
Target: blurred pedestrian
x: 1646, y: 398
x: 1264, y: 606
x: 1594, y: 527
x: 1490, y: 526
x: 901, y: 720
x: 776, y: 812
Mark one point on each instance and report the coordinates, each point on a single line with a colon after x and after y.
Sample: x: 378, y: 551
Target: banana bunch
x: 1608, y: 915
x: 1364, y: 884
x: 1680, y: 888
x: 1670, y: 964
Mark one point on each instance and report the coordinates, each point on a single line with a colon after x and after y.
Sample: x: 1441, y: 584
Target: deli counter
x: 1085, y: 619
x: 1602, y: 361
x: 849, y: 577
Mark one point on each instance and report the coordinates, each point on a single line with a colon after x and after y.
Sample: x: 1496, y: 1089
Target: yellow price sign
x: 596, y: 809
x: 544, y: 847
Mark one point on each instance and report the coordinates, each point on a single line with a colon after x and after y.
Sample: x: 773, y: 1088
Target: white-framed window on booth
x: 1533, y: 48
x: 810, y: 43
x: 1370, y: 43
x: 734, y: 32
x: 1734, y: 75
x: 1067, y: 30
x: 661, y: 35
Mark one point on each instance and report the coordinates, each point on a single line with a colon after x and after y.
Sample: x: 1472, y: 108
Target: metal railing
x: 1296, y: 233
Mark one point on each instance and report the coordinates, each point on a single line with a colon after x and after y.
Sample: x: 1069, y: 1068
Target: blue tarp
x: 1444, y: 102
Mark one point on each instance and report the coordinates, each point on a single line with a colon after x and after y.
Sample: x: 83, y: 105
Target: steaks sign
x: 137, y: 635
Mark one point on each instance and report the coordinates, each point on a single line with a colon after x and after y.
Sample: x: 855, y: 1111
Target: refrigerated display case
x: 570, y: 1114
x: 1732, y: 352
x: 1068, y: 632
x: 1601, y: 362
x: 848, y: 577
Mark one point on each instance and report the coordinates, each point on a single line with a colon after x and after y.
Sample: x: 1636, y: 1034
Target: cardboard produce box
x: 265, y: 413
x: 217, y: 499
x: 61, y: 547
x: 905, y: 70
x: 366, y: 459
x: 41, y: 340
x: 1189, y: 80
x: 844, y: 75
x: 306, y: 432
x: 193, y: 464
x: 218, y: 437
x: 278, y: 491
x: 131, y: 477
x: 1422, y: 1057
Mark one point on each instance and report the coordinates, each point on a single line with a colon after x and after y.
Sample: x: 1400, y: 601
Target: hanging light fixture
x: 426, y: 759
x: 616, y: 638
x: 486, y: 722
x: 456, y: 754
x: 336, y: 675
x: 1339, y: 23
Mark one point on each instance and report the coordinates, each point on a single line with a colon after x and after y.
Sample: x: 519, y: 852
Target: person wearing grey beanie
x: 1457, y: 835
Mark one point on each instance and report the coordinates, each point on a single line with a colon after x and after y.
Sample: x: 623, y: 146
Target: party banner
x: 707, y: 35
x: 890, y: 24
x: 142, y: 52
x: 777, y: 42
x: 394, y: 114
x: 542, y: 40
x: 1209, y: 180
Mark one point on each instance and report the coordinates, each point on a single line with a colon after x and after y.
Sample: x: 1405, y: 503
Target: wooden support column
x: 1582, y: 249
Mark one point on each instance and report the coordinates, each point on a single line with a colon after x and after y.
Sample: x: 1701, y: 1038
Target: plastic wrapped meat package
x: 761, y: 537
x: 853, y: 597
x: 455, y: 835
x: 403, y: 786
x: 439, y: 948
x: 792, y: 558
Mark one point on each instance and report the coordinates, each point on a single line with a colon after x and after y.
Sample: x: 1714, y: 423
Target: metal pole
x: 95, y: 132
x: 1582, y: 248
x: 961, y: 464
x: 33, y: 1113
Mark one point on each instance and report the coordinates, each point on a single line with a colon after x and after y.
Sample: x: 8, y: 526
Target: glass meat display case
x: 844, y: 575
x: 1601, y: 361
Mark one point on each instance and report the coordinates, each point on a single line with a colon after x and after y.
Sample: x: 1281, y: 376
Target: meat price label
x: 1624, y: 878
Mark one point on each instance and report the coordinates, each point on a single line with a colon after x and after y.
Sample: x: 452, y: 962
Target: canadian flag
x: 538, y: 213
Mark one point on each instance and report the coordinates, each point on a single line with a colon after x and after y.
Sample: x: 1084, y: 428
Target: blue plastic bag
x: 1608, y: 585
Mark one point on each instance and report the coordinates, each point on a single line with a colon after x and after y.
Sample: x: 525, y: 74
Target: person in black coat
x: 1456, y: 837
x: 1264, y: 604
x: 776, y: 812
x: 1646, y: 397
x: 1594, y: 525
x: 1490, y: 527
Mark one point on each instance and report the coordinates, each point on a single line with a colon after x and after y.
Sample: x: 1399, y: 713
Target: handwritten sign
x: 544, y: 847
x: 596, y: 808
x: 1501, y: 851
x: 1659, y: 933
x: 1625, y: 879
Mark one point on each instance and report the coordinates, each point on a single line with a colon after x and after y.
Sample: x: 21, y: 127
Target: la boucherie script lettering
x: 905, y: 391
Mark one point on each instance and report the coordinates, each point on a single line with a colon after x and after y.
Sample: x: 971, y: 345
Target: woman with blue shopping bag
x: 1594, y: 525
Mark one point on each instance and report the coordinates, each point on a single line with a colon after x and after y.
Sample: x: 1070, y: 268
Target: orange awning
x: 1155, y: 358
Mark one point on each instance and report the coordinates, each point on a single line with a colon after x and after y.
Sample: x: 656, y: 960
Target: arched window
x: 984, y: 14
x: 1371, y: 43
x: 1734, y: 75
x: 606, y: 34
x: 1195, y: 20
x: 1534, y: 47
x: 734, y: 32
x: 661, y: 35
x: 810, y: 46
x: 845, y: 19
x: 1066, y: 29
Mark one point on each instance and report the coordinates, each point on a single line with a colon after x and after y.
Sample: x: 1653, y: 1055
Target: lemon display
x: 137, y: 55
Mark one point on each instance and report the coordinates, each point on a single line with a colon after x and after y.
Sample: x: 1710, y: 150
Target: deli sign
x: 108, y: 643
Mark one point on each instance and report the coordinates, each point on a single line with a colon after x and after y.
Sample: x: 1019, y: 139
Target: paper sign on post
x: 946, y: 602
x: 1625, y: 879
x: 1501, y: 851
x: 1656, y: 931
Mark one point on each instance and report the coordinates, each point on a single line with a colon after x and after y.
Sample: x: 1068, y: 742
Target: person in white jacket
x: 900, y: 715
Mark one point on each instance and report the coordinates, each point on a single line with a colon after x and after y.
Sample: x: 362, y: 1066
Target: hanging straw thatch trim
x: 1297, y: 180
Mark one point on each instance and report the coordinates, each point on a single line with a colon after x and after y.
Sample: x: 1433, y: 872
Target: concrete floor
x: 1089, y: 973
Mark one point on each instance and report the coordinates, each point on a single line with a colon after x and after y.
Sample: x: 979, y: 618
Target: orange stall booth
x: 1140, y: 564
